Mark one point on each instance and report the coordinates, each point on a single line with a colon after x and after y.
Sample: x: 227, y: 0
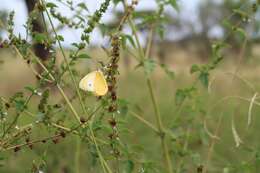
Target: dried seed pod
x: 63, y: 134
x: 112, y: 122
x: 56, y: 140
x: 83, y: 120
x: 17, y: 148
x: 7, y: 105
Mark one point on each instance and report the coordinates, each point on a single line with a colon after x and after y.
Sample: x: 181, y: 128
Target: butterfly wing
x: 100, y: 84
x: 87, y: 83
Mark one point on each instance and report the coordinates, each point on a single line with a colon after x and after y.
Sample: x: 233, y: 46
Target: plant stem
x: 101, y: 158
x: 212, y: 144
x: 140, y: 49
x: 144, y: 55
x: 78, y: 92
x: 160, y: 127
x: 144, y: 121
x: 66, y: 62
x: 52, y: 78
x: 77, y: 155
x: 60, y: 89
x: 17, y: 116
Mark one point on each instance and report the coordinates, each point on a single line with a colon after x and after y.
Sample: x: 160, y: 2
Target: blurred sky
x: 188, y: 12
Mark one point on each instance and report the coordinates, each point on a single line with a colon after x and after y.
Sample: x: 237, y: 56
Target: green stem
x: 144, y: 55
x: 103, y: 163
x: 17, y: 116
x: 66, y: 62
x: 60, y: 89
x: 77, y: 155
x: 160, y: 127
x: 140, y: 49
x: 144, y: 121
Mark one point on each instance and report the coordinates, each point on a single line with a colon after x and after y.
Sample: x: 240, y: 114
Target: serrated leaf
x: 40, y: 38
x: 60, y: 38
x: 116, y: 1
x: 129, y: 166
x: 40, y: 117
x: 182, y: 94
x: 51, y: 5
x: 149, y: 66
x: 29, y: 88
x: 204, y: 78
x: 179, y: 97
x: 160, y: 30
x: 84, y: 56
x: 130, y: 39
x: 242, y: 32
x: 83, y: 6
x: 169, y: 73
x: 241, y: 13
x: 19, y: 105
x: 194, y: 68
x: 174, y: 4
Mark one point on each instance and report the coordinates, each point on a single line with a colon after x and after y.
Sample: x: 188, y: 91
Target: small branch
x: 148, y: 124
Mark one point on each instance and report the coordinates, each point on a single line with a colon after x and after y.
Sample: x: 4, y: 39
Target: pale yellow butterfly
x: 94, y: 82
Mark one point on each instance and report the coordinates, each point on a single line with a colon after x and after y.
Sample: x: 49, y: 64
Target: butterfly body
x: 94, y: 82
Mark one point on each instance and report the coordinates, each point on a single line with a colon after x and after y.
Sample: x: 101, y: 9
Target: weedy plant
x: 98, y: 122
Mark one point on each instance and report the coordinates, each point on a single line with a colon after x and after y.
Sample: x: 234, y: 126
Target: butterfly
x: 94, y: 82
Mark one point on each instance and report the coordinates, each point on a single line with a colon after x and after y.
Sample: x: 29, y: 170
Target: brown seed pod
x: 56, y: 140
x: 200, y: 169
x: 7, y: 105
x: 17, y: 148
x: 112, y: 122
x: 112, y: 108
x: 63, y: 134
x: 82, y: 120
x: 110, y: 88
x: 30, y: 146
x: 27, y: 140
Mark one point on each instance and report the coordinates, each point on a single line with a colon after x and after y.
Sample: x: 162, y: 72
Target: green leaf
x: 196, y: 158
x: 149, y: 66
x: 160, y: 30
x: 170, y: 73
x: 179, y: 97
x: 130, y: 39
x: 204, y: 78
x: 182, y: 94
x: 242, y: 32
x: 116, y: 1
x: 29, y: 88
x: 194, y: 68
x: 129, y: 166
x: 83, y: 6
x: 174, y: 4
x: 60, y: 38
x: 40, y: 117
x: 40, y: 38
x: 123, y: 106
x: 242, y: 14
x: 19, y: 105
x: 84, y: 56
x: 51, y: 5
